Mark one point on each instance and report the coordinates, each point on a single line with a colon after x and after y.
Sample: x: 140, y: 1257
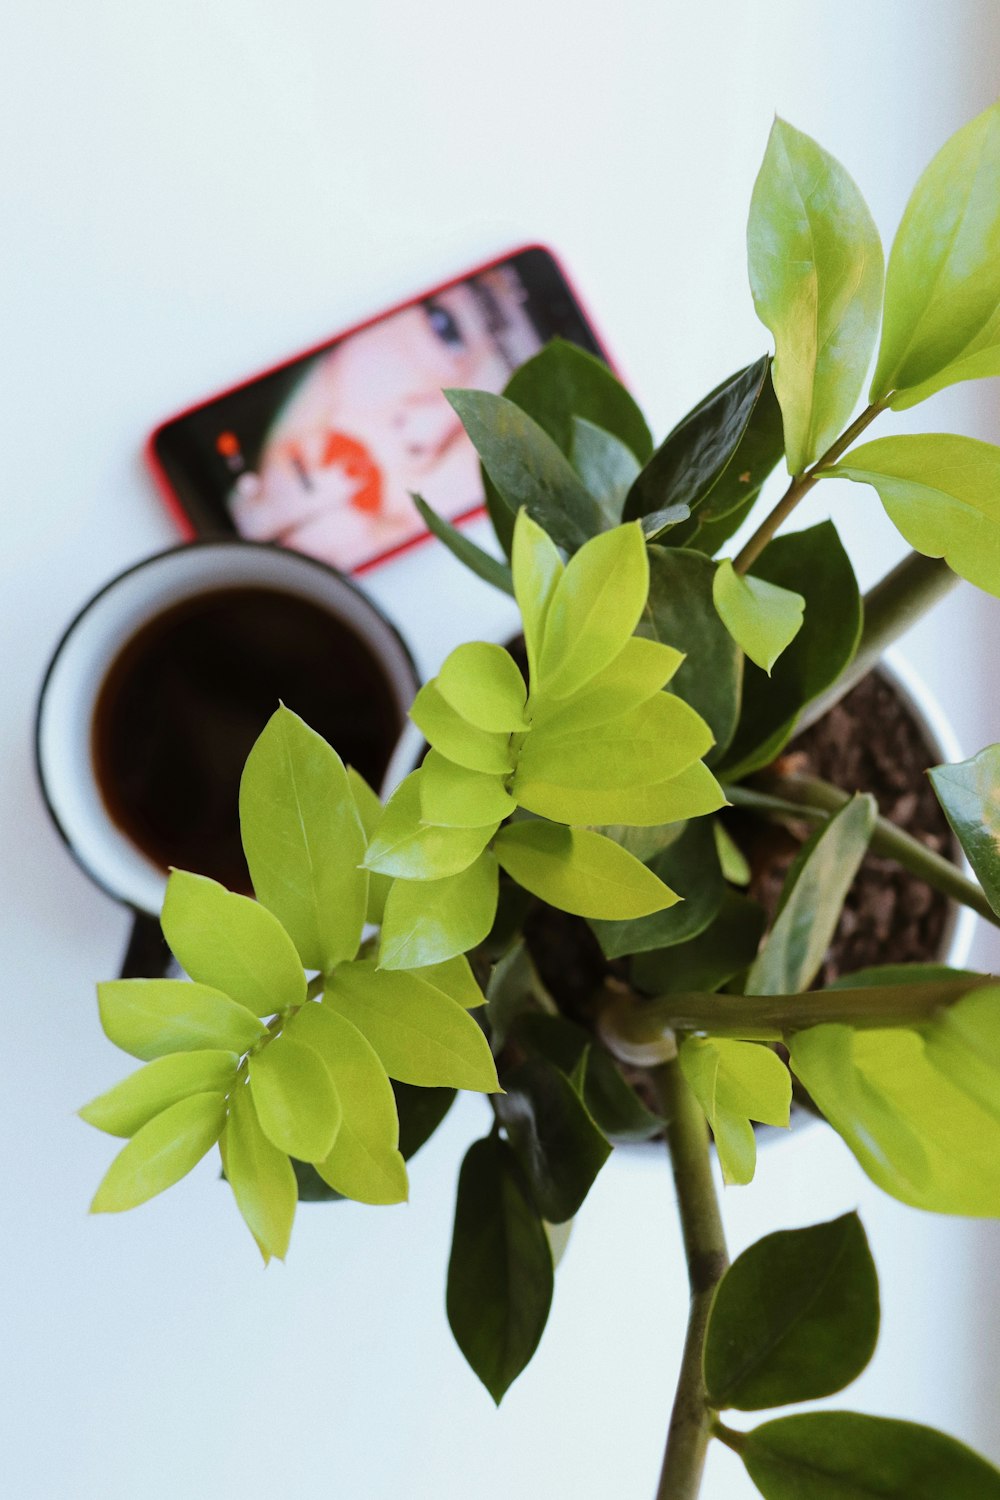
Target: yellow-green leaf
x: 429, y: 921
x: 405, y: 846
x: 304, y: 841
x: 456, y: 979
x: 369, y: 808
x: 942, y: 289
x: 124, y: 1109
x: 580, y: 871
x: 736, y: 1082
x: 297, y: 1105
x: 537, y: 568
x: 365, y: 1163
x: 152, y: 1017
x: 456, y: 738
x: 761, y: 617
x: 261, y: 1176
x: 595, y: 607
x: 420, y: 1035
x: 688, y: 795
x: 639, y: 671
x: 652, y: 743
x: 481, y: 681
x: 161, y: 1153
x: 942, y: 492
x: 452, y: 796
x: 816, y: 277
x: 232, y: 944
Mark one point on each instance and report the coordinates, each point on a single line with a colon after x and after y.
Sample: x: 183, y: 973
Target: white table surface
x: 191, y: 190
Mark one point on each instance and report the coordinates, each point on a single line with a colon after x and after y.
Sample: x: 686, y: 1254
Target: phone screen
x: 322, y: 453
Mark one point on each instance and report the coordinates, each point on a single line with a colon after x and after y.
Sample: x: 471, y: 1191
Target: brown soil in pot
x: 869, y: 742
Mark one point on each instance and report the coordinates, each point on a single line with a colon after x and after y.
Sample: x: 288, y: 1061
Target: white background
x: 192, y: 189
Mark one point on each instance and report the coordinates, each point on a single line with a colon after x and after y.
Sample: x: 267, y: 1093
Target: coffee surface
x: 187, y: 696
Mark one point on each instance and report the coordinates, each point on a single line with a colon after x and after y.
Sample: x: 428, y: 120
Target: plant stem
x: 705, y: 1250
x: 814, y: 800
x: 801, y: 485
x: 891, y: 607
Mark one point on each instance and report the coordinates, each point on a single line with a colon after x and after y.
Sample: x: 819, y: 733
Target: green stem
x: 891, y: 607
x: 801, y: 485
x: 814, y: 800
x: 705, y: 1250
x: 728, y: 1435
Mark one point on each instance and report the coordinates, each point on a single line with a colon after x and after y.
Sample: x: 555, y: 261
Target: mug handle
x: 147, y: 955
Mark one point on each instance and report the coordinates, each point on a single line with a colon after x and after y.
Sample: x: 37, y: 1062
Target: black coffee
x: 188, y: 695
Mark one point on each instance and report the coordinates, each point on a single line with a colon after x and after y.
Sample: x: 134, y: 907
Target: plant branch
x: 800, y: 486
x: 891, y: 607
x: 808, y: 797
x: 707, y: 1260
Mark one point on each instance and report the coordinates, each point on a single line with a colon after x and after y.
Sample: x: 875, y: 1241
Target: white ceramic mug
x: 96, y: 637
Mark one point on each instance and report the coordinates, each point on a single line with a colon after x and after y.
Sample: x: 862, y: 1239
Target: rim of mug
x: 398, y: 759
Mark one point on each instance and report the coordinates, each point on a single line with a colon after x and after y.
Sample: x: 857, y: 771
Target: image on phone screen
x: 322, y: 453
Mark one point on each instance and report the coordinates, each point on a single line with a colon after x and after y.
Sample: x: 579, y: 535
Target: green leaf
x: 761, y: 617
x: 481, y: 681
x: 500, y: 1270
x: 918, y: 1109
x: 455, y: 979
x: 816, y: 277
x: 607, y: 466
x: 563, y: 382
x: 420, y: 1035
x: 841, y: 1455
x: 457, y: 739
x: 796, y: 945
x: 813, y: 562
x: 704, y: 963
x: 553, y: 1136
x: 369, y: 808
x: 304, y: 841
x: 420, y: 1113
x: 734, y: 863
x: 660, y: 523
x: 689, y: 866
x: 736, y: 1082
x: 680, y: 612
x: 641, y: 668
x: 153, y: 1017
x: 454, y: 797
x: 232, y: 944
x: 296, y: 1102
x: 942, y: 492
x: 429, y: 921
x: 969, y: 792
x: 161, y: 1153
x: 537, y: 568
x: 483, y: 564
x: 942, y: 290
x: 595, y: 607
x: 691, y: 461
x: 514, y: 989
x: 688, y: 795
x: 364, y: 1162
x: 579, y: 871
x: 615, y: 1106
x: 261, y: 1177
x: 405, y: 846
x: 527, y: 468
x: 795, y: 1317
x: 652, y: 743
x: 124, y: 1109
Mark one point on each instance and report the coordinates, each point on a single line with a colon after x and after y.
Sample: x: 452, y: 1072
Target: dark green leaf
x: 796, y: 945
x: 689, y: 866
x: 553, y: 1136
x: 514, y: 987
x: 660, y: 523
x: 606, y: 465
x: 563, y: 381
x: 500, y: 1271
x: 726, y: 947
x: 815, y: 564
x: 841, y: 1455
x: 680, y: 613
x: 816, y: 277
x: 486, y: 567
x: 795, y: 1318
x: 692, y: 459
x: 615, y: 1106
x: 528, y: 469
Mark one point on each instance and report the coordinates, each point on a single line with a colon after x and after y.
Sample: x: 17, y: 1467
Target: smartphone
x: 321, y: 452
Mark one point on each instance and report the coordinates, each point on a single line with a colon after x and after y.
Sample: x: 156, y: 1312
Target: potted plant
x: 565, y: 806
